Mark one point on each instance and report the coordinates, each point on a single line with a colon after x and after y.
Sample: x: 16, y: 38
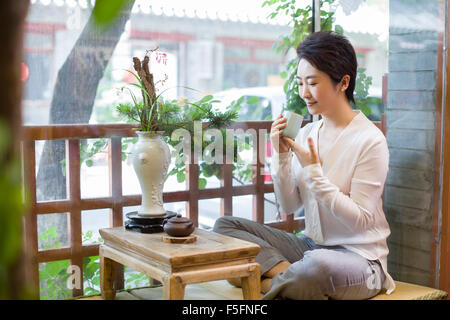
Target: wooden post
x: 73, y: 155
x: 226, y: 182
x: 289, y: 222
x: 30, y: 220
x: 437, y: 187
x: 258, y: 199
x: 115, y: 187
x: 251, y: 285
x: 173, y: 289
x: 107, y: 278
x: 443, y: 249
x: 192, y: 172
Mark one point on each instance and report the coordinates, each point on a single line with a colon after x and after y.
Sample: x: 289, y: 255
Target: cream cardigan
x: 343, y: 197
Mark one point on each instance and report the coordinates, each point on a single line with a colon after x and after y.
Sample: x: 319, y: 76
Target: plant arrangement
x: 159, y: 117
x: 155, y: 114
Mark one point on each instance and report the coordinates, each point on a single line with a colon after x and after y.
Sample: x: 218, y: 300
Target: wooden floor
x: 214, y: 290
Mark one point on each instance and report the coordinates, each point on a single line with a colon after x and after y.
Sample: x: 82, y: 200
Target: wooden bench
x: 409, y: 291
x: 222, y: 290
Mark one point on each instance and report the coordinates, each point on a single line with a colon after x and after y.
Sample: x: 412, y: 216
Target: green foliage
x: 11, y: 209
x: 105, y: 11
x: 53, y: 275
x: 166, y: 116
x: 255, y: 108
x: 176, y: 117
x: 301, y: 23
x: 362, y: 91
x: 91, y: 275
x: 181, y: 114
x: 47, y: 238
x: 242, y: 172
x: 87, y: 152
x: 91, y: 268
x: 53, y: 278
x: 134, y: 279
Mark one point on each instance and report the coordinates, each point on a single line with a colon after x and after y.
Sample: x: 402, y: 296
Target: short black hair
x: 332, y: 53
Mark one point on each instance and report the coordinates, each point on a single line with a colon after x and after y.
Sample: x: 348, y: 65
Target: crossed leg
x: 266, y: 278
x: 278, y: 248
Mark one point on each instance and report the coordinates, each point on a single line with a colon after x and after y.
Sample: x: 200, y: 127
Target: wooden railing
x: 116, y: 201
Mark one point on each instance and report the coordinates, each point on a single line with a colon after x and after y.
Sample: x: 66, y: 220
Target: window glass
x: 366, y: 25
x: 94, y: 174
x: 53, y: 277
x: 208, y: 213
x: 75, y: 72
x: 91, y: 222
x: 399, y: 43
x: 52, y: 231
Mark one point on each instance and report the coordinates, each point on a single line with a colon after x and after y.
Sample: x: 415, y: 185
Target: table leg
x: 251, y: 285
x: 107, y: 278
x: 173, y: 289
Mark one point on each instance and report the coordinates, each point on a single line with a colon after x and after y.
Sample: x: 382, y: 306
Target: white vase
x: 151, y: 159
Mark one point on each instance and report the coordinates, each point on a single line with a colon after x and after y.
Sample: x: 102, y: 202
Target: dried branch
x: 150, y: 90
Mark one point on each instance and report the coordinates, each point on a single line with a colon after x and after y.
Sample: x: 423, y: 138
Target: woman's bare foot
x: 265, y: 284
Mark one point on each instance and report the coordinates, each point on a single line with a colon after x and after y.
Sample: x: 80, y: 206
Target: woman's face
x: 317, y: 89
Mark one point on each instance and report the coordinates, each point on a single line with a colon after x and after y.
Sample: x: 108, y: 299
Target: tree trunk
x: 12, y: 272
x: 74, y: 95
x: 73, y: 100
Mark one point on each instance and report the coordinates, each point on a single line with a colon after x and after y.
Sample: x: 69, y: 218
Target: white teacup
x: 293, y: 124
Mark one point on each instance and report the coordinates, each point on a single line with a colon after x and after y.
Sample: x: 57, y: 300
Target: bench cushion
x: 409, y: 291
x: 221, y: 289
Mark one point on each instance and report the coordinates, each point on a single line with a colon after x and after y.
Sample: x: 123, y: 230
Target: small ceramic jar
x: 178, y: 226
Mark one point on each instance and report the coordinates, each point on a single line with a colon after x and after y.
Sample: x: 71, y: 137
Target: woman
x: 336, y: 169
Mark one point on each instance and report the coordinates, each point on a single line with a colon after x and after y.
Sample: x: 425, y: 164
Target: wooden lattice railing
x: 116, y: 201
x: 74, y: 205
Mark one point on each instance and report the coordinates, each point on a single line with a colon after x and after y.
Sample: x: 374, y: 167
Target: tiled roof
x: 249, y: 11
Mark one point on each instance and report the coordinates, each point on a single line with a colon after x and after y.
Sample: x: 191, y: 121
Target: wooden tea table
x: 212, y: 257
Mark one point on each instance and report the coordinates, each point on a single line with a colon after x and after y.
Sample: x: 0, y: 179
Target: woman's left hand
x: 306, y: 158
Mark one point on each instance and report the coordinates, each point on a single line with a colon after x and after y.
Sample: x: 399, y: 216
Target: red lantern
x: 25, y: 72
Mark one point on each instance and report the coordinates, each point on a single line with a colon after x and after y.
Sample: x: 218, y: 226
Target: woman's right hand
x: 278, y: 142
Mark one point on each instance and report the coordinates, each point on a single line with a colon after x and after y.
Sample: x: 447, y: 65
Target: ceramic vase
x: 151, y: 159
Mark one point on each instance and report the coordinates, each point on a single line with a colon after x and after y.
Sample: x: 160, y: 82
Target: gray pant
x: 316, y: 272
